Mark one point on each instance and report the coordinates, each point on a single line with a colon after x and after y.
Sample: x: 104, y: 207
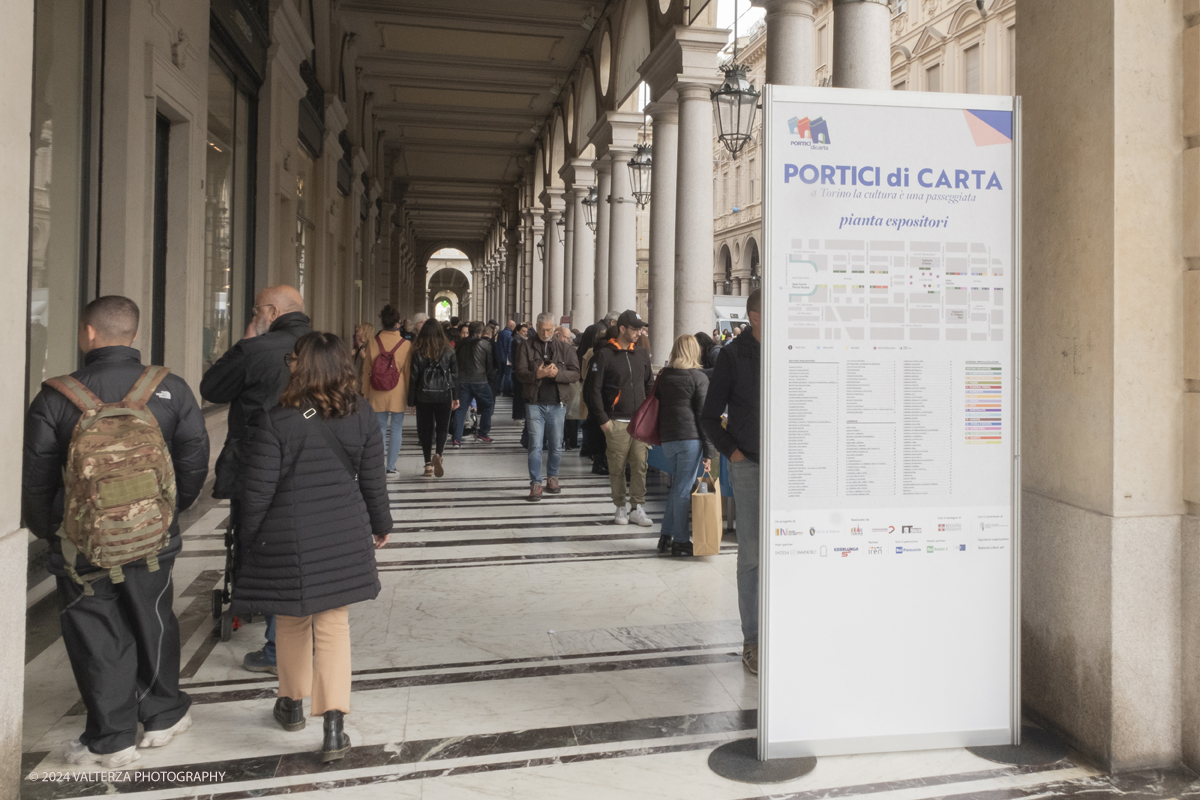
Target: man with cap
x: 618, y: 380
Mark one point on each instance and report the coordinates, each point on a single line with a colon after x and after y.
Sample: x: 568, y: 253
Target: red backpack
x: 384, y: 375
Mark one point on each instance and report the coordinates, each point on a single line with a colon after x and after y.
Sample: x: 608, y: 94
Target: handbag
x: 644, y: 424
x: 706, y: 517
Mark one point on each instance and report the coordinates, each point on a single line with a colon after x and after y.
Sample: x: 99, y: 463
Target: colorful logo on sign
x: 814, y: 130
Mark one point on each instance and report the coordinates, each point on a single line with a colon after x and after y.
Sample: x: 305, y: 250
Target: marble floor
x: 516, y: 650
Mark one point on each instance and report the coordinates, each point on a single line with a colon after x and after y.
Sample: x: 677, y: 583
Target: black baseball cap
x: 630, y: 319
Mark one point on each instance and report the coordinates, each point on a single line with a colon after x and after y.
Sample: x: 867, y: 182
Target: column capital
x: 290, y: 44
x: 578, y: 173
x: 336, y: 118
x: 552, y: 198
x: 806, y: 8
x: 602, y: 166
x: 688, y: 54
x: 849, y: 2
x: 666, y: 110
x: 615, y: 129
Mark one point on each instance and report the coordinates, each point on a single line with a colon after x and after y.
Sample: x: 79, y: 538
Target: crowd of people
x: 114, y: 452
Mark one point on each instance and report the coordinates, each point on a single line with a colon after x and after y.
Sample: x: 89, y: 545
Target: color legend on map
x: 983, y: 401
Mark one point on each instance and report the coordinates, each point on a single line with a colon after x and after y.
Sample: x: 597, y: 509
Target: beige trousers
x: 622, y: 449
x: 313, y: 654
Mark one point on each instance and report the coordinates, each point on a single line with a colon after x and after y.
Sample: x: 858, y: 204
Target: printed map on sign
x: 891, y: 291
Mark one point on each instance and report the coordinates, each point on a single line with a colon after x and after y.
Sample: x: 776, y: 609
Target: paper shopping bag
x: 706, y: 517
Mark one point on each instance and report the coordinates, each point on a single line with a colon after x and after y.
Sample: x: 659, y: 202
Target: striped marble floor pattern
x: 516, y: 650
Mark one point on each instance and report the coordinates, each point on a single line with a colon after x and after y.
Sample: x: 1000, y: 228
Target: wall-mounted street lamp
x: 589, y: 207
x: 541, y: 250
x: 640, y: 168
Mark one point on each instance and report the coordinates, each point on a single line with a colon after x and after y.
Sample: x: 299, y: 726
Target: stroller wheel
x: 218, y: 600
x: 226, y: 625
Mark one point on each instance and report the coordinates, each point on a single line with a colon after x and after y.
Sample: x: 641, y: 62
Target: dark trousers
x: 123, y: 644
x: 433, y: 422
x: 506, y: 380
x: 518, y: 409
x: 571, y: 434
x: 484, y: 400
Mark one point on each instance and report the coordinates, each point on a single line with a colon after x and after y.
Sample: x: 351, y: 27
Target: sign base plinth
x: 1037, y: 748
x: 738, y: 761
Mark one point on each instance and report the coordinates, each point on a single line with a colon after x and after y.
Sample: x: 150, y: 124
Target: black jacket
x: 529, y: 356
x: 681, y: 394
x: 418, y: 392
x: 250, y: 377
x: 735, y: 385
x: 110, y: 373
x: 617, y: 382
x: 476, y: 361
x: 305, y: 534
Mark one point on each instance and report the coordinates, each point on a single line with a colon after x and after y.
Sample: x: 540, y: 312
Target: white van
x: 729, y: 311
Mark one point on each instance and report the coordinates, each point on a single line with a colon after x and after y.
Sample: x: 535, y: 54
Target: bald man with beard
x: 250, y: 377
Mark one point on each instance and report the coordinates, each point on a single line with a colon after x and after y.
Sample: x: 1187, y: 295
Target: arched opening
x: 445, y: 305
x: 448, y: 284
x: 755, y: 268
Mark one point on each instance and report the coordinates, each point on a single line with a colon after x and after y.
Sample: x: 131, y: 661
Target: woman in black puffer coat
x: 310, y: 529
x: 681, y: 390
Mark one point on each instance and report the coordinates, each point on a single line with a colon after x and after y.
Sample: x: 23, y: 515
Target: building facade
x: 936, y: 46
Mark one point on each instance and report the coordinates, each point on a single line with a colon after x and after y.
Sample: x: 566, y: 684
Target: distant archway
x: 448, y: 277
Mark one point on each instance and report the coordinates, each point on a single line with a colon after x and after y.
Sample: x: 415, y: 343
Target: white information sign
x: 889, y: 422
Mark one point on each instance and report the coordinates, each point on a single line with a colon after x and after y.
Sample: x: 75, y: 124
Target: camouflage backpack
x: 119, y: 480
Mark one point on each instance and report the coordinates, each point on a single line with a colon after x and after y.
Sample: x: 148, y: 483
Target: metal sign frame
x: 827, y: 96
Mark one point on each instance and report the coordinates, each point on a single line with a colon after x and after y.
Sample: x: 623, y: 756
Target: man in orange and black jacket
x: 618, y: 380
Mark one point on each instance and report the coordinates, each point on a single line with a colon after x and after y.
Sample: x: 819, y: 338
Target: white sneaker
x: 164, y: 737
x: 621, y: 517
x: 78, y: 753
x: 638, y: 517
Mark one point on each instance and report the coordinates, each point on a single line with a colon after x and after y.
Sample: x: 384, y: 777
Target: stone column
x: 583, y: 310
x: 580, y: 299
x: 790, y: 32
x: 554, y: 263
x: 1108, y: 617
x: 568, y: 231
x: 529, y: 254
x: 604, y: 185
x: 16, y: 53
x: 622, y: 233
x: 862, y: 44
x: 693, y: 211
x: 665, y: 115
x: 552, y: 200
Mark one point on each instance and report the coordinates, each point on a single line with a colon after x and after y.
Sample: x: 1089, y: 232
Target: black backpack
x: 436, y: 386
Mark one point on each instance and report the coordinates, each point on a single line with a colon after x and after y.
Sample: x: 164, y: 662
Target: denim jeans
x: 395, y: 421
x: 482, y: 393
x: 269, y: 647
x: 684, y: 458
x: 545, y: 421
x: 744, y: 476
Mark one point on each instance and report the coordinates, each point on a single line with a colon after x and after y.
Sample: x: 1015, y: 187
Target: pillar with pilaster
x: 615, y: 135
x: 583, y: 257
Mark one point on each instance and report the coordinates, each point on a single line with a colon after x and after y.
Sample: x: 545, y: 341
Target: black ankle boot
x: 337, y: 743
x: 289, y: 714
x: 664, y: 543
x: 681, y: 549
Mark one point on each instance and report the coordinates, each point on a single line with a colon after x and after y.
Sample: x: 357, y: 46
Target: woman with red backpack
x: 385, y: 367
x: 433, y: 390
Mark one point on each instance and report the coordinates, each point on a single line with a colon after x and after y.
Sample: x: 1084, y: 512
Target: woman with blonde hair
x: 363, y: 334
x: 681, y: 389
x: 314, y: 508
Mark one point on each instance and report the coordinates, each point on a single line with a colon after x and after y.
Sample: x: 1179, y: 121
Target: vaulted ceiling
x: 461, y: 90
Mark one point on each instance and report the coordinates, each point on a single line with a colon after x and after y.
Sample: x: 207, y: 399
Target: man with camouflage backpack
x: 125, y: 449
